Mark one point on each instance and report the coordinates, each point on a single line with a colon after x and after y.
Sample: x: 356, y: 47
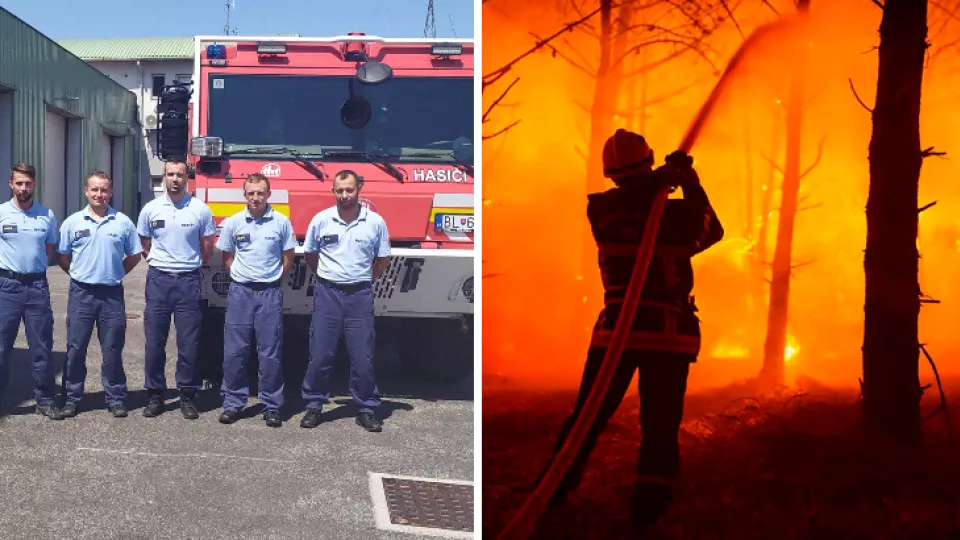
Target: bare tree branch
x: 860, y: 101
x: 496, y: 74
x: 772, y: 163
x: 816, y: 161
x: 809, y: 207
x: 556, y: 52
x: 877, y: 2
x: 501, y: 132
x: 769, y: 5
x: 802, y: 264
x: 657, y: 63
x: 499, y: 99
x: 726, y: 7
x: 925, y: 207
x: 927, y: 152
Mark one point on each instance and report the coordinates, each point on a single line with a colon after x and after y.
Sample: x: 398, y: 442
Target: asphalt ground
x: 95, y: 476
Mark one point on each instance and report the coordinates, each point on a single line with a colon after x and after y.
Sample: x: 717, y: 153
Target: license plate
x: 462, y: 223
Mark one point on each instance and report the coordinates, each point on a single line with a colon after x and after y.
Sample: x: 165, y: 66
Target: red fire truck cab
x: 398, y: 112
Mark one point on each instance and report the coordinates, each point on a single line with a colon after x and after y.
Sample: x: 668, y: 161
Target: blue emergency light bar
x: 216, y: 51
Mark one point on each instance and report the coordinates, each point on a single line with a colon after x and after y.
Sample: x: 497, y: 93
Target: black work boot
x: 229, y: 416
x: 154, y: 405
x: 369, y: 422
x: 272, y: 419
x: 117, y: 410
x: 187, y: 407
x: 50, y: 411
x: 69, y: 410
x: 311, y: 419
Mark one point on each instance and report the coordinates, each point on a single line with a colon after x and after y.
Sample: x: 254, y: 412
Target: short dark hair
x: 347, y: 173
x: 256, y: 178
x: 101, y: 175
x: 24, y: 168
x: 174, y: 162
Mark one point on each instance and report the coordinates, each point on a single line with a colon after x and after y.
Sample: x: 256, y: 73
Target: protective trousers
x: 102, y: 305
x: 348, y: 310
x: 253, y: 309
x: 663, y: 385
x: 28, y: 300
x: 177, y: 295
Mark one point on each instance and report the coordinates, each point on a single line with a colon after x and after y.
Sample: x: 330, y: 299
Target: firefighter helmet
x: 626, y: 153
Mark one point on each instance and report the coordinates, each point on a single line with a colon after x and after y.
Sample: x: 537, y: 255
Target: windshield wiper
x: 376, y: 159
x: 298, y: 158
x: 462, y: 165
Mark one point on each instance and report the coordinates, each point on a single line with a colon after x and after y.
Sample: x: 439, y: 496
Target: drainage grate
x: 423, y: 505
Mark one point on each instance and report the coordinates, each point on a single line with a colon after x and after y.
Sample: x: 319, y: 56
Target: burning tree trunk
x: 774, y: 346
x: 758, y: 280
x: 891, y: 387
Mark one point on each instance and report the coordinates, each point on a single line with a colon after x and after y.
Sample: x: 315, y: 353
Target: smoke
x: 534, y: 178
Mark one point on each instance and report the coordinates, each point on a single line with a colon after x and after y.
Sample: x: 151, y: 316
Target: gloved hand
x: 678, y: 170
x: 680, y: 159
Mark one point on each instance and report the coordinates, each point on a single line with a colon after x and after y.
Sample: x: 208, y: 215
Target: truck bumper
x: 418, y: 283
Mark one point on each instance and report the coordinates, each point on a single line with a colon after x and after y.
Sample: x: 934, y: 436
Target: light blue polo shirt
x: 346, y: 251
x: 24, y: 235
x: 98, y: 249
x: 174, y: 231
x: 258, y: 245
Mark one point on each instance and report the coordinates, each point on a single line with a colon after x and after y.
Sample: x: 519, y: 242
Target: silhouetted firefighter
x: 665, y: 337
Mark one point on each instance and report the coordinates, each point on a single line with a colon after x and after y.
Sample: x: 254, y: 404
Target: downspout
x: 141, y: 134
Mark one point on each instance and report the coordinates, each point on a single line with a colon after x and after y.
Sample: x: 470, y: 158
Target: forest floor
x: 787, y: 466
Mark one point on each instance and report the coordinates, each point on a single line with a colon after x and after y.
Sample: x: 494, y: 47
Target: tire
x: 438, y: 350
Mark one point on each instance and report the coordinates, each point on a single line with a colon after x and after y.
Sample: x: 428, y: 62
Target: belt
x: 22, y: 277
x: 171, y: 273
x: 345, y: 287
x: 259, y: 285
x: 95, y: 285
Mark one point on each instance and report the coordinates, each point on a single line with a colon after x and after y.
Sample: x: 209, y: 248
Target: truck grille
x: 387, y: 284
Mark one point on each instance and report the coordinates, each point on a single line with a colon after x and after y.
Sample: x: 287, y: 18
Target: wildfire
x: 727, y: 349
x: 792, y: 348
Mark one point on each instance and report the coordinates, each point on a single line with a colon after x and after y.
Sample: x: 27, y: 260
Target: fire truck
x: 399, y: 113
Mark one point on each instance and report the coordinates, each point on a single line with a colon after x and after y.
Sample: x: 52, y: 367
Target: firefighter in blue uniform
x: 177, y: 233
x: 98, y: 247
x: 348, y: 247
x: 665, y: 338
x: 257, y: 246
x: 28, y: 240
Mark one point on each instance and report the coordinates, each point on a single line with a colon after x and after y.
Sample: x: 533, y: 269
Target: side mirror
x: 373, y: 72
x: 463, y: 150
x: 355, y: 112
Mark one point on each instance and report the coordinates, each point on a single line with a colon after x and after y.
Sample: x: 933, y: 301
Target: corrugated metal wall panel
x: 44, y: 76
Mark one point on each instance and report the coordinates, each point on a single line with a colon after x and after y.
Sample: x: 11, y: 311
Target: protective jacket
x: 666, y: 317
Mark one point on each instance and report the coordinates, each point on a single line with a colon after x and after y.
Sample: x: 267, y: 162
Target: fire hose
x: 524, y: 521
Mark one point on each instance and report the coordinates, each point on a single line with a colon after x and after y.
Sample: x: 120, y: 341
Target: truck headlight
x: 206, y: 146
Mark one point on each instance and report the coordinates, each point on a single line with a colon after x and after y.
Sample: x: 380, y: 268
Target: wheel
x: 439, y: 350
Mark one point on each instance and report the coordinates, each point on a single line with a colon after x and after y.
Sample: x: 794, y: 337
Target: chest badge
x: 82, y: 234
x: 157, y: 224
x: 8, y: 229
x: 243, y: 238
x: 329, y: 239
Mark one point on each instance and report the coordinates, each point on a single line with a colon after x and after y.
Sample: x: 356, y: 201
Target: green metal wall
x: 44, y: 76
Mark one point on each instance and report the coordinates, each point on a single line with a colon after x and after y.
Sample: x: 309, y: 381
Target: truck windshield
x: 412, y: 118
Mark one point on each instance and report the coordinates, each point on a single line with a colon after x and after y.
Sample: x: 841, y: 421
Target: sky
x: 168, y: 18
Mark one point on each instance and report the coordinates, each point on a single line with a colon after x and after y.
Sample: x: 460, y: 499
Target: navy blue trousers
x: 30, y: 301
x: 336, y: 312
x: 102, y: 305
x: 176, y: 295
x: 254, y: 309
